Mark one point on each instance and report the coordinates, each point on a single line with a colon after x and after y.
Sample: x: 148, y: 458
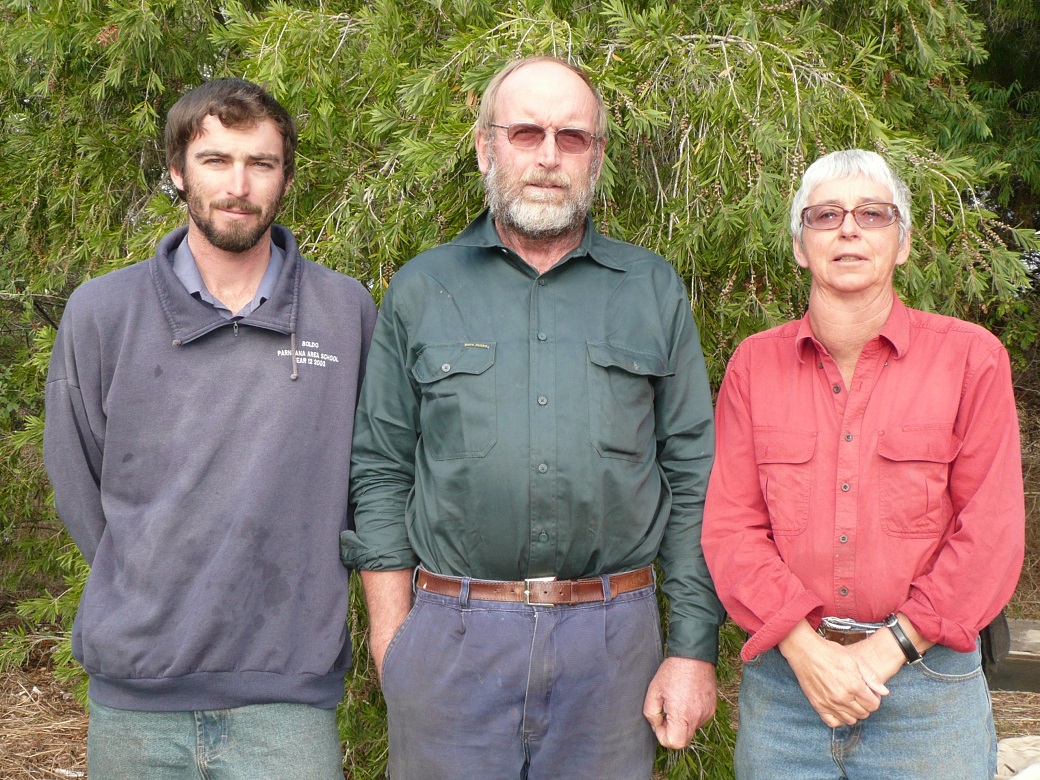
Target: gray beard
x: 532, y: 218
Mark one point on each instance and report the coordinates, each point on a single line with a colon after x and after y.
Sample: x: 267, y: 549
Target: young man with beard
x: 199, y: 412
x: 534, y: 431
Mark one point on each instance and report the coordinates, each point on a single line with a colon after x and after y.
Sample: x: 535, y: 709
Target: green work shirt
x: 515, y: 425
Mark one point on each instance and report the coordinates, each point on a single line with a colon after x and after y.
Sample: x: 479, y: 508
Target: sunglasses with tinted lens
x: 570, y: 140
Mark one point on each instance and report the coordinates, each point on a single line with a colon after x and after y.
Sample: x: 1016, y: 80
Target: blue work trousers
x: 507, y: 691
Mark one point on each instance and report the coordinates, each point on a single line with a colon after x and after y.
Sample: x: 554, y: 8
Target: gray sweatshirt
x: 206, y: 487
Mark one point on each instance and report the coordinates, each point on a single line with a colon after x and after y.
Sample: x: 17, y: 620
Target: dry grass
x: 1016, y: 714
x: 43, y: 731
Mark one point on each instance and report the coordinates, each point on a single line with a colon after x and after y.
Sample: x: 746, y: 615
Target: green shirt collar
x: 481, y: 233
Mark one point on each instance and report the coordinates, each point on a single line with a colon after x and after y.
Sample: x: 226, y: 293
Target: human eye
x: 523, y: 134
x: 573, y: 140
x: 826, y: 215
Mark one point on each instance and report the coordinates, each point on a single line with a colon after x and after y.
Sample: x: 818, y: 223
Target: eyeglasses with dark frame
x: 870, y: 216
x: 569, y: 140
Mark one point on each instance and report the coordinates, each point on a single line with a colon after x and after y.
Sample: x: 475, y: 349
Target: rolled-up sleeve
x: 386, y: 432
x: 987, y: 537
x: 757, y: 588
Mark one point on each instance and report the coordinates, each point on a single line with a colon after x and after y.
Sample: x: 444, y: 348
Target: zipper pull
x: 235, y: 323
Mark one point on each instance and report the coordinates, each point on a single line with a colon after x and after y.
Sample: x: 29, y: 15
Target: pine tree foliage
x: 716, y: 107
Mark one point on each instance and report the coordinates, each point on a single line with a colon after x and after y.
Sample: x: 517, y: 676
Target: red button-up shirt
x: 902, y: 493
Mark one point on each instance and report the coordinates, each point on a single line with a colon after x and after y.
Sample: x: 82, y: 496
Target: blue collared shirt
x: 187, y: 270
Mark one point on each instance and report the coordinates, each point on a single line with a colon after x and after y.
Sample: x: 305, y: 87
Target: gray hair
x: 847, y: 164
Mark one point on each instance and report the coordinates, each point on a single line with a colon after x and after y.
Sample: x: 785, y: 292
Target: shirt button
x: 819, y: 365
x: 845, y: 487
x: 844, y: 591
x: 542, y: 337
x: 836, y: 389
x: 543, y: 537
x: 848, y: 437
x: 446, y: 368
x: 843, y: 539
x: 542, y: 468
x: 542, y: 400
x: 541, y: 282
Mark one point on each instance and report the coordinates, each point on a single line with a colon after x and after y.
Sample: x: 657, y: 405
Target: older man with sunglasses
x: 865, y: 516
x: 535, y: 429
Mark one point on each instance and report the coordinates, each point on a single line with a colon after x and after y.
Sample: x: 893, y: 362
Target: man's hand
x: 388, y: 595
x: 681, y: 698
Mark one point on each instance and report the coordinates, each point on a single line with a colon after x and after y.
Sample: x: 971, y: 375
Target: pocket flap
x: 936, y: 445
x: 773, y: 445
x: 607, y: 355
x: 438, y: 361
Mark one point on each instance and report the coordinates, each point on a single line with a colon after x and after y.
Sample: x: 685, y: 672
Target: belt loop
x: 608, y: 595
x: 464, y: 593
x: 415, y: 579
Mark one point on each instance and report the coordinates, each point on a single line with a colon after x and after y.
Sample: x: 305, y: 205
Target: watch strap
x: 911, y: 652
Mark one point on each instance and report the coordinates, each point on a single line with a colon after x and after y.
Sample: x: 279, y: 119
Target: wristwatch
x: 911, y: 653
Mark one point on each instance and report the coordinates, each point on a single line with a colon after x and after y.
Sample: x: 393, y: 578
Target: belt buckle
x: 527, y: 592
x: 847, y: 626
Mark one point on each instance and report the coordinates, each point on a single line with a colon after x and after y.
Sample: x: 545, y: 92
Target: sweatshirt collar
x: 190, y: 318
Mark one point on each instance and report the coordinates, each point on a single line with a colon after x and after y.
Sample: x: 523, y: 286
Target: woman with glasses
x: 864, y: 518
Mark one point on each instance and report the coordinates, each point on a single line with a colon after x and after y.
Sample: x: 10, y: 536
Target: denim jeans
x: 935, y: 724
x: 484, y: 689
x: 269, y: 741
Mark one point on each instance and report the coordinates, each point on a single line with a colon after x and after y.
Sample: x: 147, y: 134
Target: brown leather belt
x: 537, y: 592
x: 843, y: 637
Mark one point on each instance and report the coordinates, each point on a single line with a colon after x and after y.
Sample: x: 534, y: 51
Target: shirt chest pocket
x: 621, y: 400
x: 914, y: 478
x: 458, y: 413
x: 785, y: 475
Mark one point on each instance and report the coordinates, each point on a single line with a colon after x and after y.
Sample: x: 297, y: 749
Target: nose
x: 849, y: 225
x: 238, y: 181
x: 548, y: 151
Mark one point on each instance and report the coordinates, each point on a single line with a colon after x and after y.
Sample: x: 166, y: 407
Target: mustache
x: 236, y: 205
x: 555, y: 178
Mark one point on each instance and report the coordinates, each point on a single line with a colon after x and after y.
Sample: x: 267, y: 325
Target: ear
x: 799, y: 253
x: 904, y: 250
x: 481, y: 141
x: 600, y: 148
x: 178, y: 178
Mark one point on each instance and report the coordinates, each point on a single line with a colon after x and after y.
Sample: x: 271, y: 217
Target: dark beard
x: 236, y: 238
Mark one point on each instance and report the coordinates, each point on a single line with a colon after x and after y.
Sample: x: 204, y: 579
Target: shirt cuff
x: 807, y: 607
x: 935, y: 629
x: 696, y: 640
x: 355, y: 554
